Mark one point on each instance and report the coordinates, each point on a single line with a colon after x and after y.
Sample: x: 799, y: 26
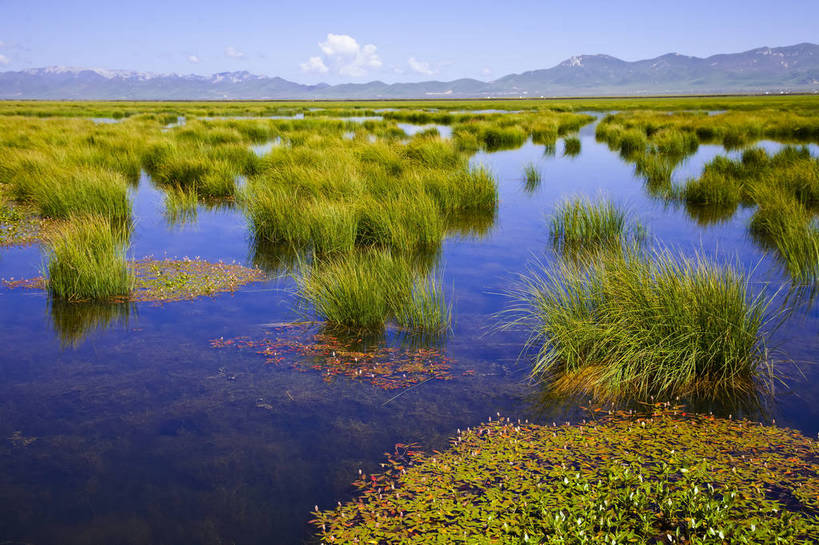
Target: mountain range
x: 763, y: 70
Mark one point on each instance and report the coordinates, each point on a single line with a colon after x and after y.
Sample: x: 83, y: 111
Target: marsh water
x: 126, y: 426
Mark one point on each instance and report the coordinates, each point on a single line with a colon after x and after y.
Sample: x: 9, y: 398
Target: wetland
x: 218, y: 317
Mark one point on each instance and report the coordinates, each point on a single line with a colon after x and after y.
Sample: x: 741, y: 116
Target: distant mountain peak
x: 764, y: 69
x: 573, y: 61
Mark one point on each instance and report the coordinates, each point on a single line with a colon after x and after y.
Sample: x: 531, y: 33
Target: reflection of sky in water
x: 143, y: 431
x: 444, y: 130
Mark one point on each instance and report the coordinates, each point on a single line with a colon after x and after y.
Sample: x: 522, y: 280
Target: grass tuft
x: 631, y: 325
x: 580, y: 226
x: 531, y: 177
x: 86, y: 261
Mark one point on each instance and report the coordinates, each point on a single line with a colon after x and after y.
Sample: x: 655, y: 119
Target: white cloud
x: 314, y: 64
x: 486, y: 72
x: 346, y: 57
x: 420, y: 67
x: 340, y: 45
x: 234, y: 53
x: 4, y: 59
x: 193, y: 58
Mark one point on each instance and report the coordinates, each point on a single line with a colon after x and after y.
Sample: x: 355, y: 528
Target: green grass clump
x: 663, y: 477
x: 632, y: 142
x: 579, y: 226
x: 363, y: 290
x: 571, y: 146
x: 634, y: 325
x: 358, y: 290
x: 531, y: 177
x: 62, y: 190
x: 785, y: 189
x: 334, y: 194
x: 675, y: 133
x: 713, y: 189
x: 191, y: 169
x: 425, y: 310
x: 656, y: 169
x: 86, y: 261
x: 675, y: 142
x: 783, y: 223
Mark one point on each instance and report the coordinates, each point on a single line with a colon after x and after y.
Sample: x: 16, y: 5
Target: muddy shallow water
x: 128, y: 427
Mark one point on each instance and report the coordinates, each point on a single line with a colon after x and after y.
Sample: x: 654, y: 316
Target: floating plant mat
x: 667, y: 478
x: 385, y: 367
x: 164, y: 280
x: 19, y: 224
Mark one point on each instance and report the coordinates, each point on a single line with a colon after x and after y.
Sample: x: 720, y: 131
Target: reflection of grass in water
x: 635, y: 326
x: 710, y: 215
x: 666, y: 475
x: 656, y: 169
x: 73, y: 322
x: 181, y: 206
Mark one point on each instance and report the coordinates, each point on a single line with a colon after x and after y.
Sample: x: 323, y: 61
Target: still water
x: 137, y: 431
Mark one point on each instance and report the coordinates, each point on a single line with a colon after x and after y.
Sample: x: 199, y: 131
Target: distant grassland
x: 784, y: 187
x: 120, y: 109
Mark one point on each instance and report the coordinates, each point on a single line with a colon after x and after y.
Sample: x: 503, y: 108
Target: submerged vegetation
x: 147, y: 280
x: 644, y: 324
x: 385, y: 367
x: 666, y: 477
x: 20, y: 225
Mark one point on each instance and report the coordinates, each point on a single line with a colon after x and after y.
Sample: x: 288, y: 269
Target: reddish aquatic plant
x: 385, y: 367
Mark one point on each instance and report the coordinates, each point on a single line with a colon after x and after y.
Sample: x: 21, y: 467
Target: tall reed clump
x: 634, y: 325
x: 363, y: 290
x: 579, y: 226
x: 86, y: 261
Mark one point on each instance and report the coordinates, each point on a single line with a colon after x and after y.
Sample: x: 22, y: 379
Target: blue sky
x: 312, y: 41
